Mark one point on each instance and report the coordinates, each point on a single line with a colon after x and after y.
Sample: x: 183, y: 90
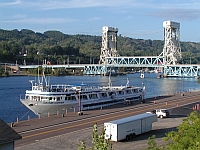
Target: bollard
x: 74, y: 110
x: 66, y: 111
x: 57, y: 113
x: 48, y: 114
x: 12, y: 124
x: 28, y: 118
x: 154, y: 102
x: 166, y: 103
x: 17, y: 120
x: 176, y: 105
x: 39, y: 116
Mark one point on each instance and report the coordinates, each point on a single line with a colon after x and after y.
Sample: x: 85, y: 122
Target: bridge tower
x: 172, y: 50
x: 109, y: 43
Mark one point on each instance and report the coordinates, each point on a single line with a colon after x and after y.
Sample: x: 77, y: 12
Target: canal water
x: 11, y: 88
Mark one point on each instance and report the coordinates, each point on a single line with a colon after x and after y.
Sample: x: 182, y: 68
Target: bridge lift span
x: 168, y: 59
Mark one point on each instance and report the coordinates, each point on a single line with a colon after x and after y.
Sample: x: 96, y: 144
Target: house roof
x: 7, y: 134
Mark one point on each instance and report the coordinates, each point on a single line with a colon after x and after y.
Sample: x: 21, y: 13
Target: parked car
x: 161, y: 113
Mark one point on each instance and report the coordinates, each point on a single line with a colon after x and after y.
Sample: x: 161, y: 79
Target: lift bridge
x: 110, y: 60
x: 166, y: 61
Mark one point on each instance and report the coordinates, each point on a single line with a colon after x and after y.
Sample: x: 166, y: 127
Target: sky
x: 139, y: 19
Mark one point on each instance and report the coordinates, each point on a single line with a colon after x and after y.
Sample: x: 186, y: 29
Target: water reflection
x: 12, y: 87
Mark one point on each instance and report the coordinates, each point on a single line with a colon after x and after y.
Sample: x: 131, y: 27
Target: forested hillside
x: 59, y: 48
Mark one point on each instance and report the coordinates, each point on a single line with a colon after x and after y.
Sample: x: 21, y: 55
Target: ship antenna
x: 109, y: 81
x: 38, y: 67
x: 44, y: 78
x: 127, y: 82
x: 38, y: 76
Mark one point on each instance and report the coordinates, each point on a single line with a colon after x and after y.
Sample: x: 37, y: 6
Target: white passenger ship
x: 53, y: 99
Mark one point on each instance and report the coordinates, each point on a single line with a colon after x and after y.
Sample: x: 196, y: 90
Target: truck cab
x: 161, y: 113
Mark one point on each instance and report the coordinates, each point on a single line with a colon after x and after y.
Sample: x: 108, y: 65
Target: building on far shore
x: 8, y: 136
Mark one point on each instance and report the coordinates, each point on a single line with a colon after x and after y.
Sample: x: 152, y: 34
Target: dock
x: 37, y: 129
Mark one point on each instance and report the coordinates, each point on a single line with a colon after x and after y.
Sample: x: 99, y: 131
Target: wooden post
x: 66, y: 111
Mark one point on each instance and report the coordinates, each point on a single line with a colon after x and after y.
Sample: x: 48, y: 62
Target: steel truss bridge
x: 179, y: 70
x: 110, y: 60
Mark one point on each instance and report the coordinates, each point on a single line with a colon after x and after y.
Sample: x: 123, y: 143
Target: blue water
x: 11, y: 88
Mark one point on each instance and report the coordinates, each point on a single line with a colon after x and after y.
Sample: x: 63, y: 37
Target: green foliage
x: 1, y: 71
x: 98, y: 140
x: 188, y: 134
x: 53, y: 45
x: 186, y: 138
x: 152, y: 144
x: 6, y: 73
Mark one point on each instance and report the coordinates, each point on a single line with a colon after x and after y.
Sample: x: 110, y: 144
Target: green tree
x: 187, y: 137
x: 98, y: 141
x: 152, y: 144
x: 1, y: 71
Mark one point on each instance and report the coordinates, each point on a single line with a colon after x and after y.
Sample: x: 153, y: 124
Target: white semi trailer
x: 128, y: 128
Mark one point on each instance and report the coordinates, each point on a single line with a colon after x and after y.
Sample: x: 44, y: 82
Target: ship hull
x: 52, y: 108
x: 45, y: 109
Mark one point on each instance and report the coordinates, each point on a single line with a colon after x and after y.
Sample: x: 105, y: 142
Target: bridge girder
x: 151, y: 61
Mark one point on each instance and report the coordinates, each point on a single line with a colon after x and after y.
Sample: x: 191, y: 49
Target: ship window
x: 84, y: 96
x: 128, y: 91
x: 135, y: 90
x: 121, y: 92
x: 110, y: 93
x: 93, y: 96
x: 70, y: 98
x: 73, y: 98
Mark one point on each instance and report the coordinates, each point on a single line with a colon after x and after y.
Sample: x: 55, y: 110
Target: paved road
x: 35, y: 132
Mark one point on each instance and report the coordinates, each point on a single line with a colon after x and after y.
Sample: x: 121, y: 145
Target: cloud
x: 128, y: 18
x: 16, y: 2
x: 94, y: 19
x: 19, y: 16
x: 177, y: 14
x: 39, y: 20
x: 62, y: 4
